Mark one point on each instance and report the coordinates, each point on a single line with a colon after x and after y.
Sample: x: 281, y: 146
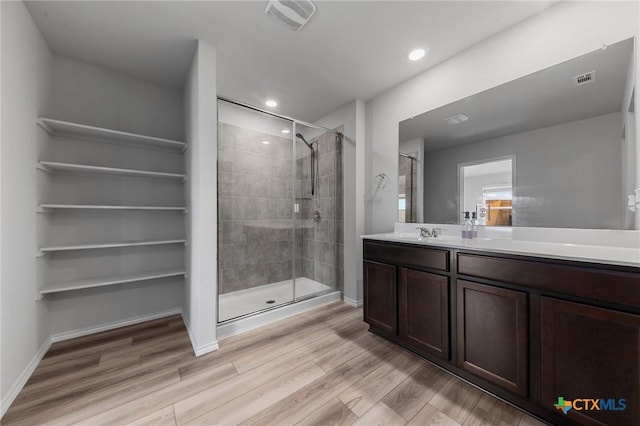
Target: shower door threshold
x: 267, y: 316
x: 245, y: 302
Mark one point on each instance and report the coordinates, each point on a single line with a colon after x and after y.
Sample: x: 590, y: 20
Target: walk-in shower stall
x: 280, y: 211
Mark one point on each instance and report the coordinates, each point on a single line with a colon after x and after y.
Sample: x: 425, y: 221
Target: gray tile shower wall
x: 322, y: 242
x: 408, y: 168
x: 255, y: 189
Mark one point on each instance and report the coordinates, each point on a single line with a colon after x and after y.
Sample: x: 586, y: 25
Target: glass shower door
x: 318, y: 212
x: 255, y: 214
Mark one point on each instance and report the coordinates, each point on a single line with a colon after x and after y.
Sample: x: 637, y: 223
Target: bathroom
x: 201, y: 220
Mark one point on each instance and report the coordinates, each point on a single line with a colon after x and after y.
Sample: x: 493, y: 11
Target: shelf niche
x: 81, y: 171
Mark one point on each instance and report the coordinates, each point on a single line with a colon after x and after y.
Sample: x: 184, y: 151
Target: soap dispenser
x: 474, y: 225
x: 466, y: 226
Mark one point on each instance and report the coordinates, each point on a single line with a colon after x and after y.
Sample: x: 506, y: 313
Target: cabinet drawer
x: 408, y: 255
x: 599, y: 284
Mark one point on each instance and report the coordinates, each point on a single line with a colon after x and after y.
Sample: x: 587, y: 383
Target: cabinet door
x: 591, y: 353
x: 492, y: 334
x: 380, y: 300
x: 424, y: 311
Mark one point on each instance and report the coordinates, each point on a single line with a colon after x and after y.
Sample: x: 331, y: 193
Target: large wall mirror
x: 552, y: 149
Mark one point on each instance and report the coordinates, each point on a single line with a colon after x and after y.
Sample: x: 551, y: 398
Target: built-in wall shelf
x: 46, y: 208
x: 52, y: 166
x: 83, y: 131
x: 50, y: 249
x: 155, y: 196
x: 102, y: 282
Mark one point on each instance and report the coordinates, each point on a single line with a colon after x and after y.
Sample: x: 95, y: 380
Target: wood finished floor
x: 321, y: 367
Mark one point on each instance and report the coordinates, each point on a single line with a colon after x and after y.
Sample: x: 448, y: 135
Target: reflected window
x: 487, y: 189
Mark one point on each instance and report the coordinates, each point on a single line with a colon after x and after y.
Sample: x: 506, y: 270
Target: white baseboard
x: 258, y: 320
x: 59, y: 337
x: 204, y: 349
x: 10, y: 396
x: 354, y: 303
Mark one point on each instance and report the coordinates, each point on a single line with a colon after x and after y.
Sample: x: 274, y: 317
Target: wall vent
x: 292, y: 14
x: 588, y: 77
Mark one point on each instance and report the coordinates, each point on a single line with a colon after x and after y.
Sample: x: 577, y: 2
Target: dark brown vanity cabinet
x: 405, y: 303
x: 380, y: 297
x: 527, y: 329
x: 424, y: 311
x: 591, y: 353
x: 493, y: 332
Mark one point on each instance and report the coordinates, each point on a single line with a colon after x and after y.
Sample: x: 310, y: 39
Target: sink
x: 399, y: 236
x: 414, y: 237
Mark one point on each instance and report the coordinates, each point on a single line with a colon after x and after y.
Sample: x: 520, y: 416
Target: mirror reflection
x: 486, y: 190
x: 551, y: 149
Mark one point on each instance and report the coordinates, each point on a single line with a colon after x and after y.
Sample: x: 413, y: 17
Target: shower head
x: 314, y: 163
x: 298, y: 135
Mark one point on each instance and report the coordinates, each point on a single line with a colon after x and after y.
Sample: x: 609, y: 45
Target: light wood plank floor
x: 320, y: 367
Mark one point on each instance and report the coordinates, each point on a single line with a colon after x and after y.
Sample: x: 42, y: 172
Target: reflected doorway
x: 486, y: 188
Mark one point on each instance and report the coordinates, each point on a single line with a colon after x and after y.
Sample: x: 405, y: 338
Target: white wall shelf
x: 102, y: 282
x: 83, y: 131
x: 79, y: 166
x: 46, y: 208
x: 52, y: 166
x: 50, y: 249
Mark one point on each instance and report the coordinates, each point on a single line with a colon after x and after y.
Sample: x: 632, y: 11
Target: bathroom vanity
x: 526, y: 326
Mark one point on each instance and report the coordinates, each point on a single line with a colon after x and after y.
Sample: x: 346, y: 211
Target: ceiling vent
x: 456, y: 119
x: 588, y: 77
x: 292, y: 14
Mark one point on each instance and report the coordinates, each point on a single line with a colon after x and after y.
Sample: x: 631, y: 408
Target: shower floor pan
x: 243, y: 302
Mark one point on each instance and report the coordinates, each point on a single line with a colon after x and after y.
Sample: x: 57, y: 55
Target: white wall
x: 351, y: 116
x: 26, y: 61
x: 2, y: 392
x: 566, y: 30
x: 201, y: 112
x: 88, y: 94
x: 92, y: 95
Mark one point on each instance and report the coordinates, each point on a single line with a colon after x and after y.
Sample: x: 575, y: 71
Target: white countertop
x: 612, y: 255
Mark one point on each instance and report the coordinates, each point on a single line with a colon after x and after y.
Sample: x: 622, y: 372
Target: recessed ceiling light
x: 417, y: 54
x: 271, y: 103
x: 266, y: 142
x: 456, y: 119
x: 285, y: 131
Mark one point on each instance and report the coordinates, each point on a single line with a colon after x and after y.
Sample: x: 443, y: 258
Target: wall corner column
x: 201, y: 118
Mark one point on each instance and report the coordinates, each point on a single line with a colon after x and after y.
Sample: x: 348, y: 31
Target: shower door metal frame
x: 293, y: 199
x: 284, y: 117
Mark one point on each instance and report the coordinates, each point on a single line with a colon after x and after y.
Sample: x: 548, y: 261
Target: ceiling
x: 542, y: 99
x: 349, y: 50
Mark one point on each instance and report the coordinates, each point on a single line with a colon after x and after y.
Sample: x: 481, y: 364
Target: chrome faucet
x: 433, y: 233
x: 437, y: 231
x: 424, y: 232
